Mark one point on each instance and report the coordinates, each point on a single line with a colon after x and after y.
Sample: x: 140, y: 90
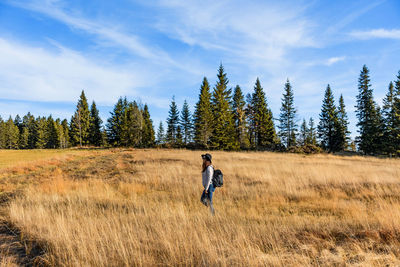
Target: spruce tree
x: 60, y: 133
x: 368, y: 116
x: 132, y: 126
x: 343, y: 137
x: 18, y: 122
x: 2, y: 134
x: 116, y: 121
x: 287, y: 119
x: 179, y: 137
x: 24, y: 138
x: 239, y: 117
x: 148, y: 138
x: 11, y: 133
x: 396, y: 106
x: 160, y: 134
x: 186, y: 124
x: 380, y: 121
x: 203, y: 117
x: 95, y: 136
x: 304, y: 133
x: 64, y: 139
x: 262, y: 130
x: 52, y: 139
x: 312, y: 133
x: 104, y: 137
x: 41, y: 124
x: 172, y: 122
x: 80, y: 122
x: 328, y: 126
x: 250, y: 115
x: 223, y: 136
x: 29, y: 122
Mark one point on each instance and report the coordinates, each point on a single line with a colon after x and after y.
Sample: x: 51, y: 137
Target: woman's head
x: 206, y: 161
x: 206, y: 157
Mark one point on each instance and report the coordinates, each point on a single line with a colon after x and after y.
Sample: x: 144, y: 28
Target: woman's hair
x: 205, y: 165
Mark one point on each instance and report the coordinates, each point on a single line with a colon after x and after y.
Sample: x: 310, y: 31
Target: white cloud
x: 110, y: 32
x: 352, y: 16
x: 334, y: 60
x: 377, y: 33
x: 35, y: 74
x: 258, y: 33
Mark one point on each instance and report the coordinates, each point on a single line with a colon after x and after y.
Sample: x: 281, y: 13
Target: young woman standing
x: 207, y: 174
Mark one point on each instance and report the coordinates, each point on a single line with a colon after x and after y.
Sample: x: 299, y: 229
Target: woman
x: 207, y: 174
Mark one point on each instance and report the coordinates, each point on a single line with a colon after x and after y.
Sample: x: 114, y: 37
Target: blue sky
x: 151, y: 50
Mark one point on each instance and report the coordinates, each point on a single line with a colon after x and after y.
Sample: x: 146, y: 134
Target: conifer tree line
x: 130, y: 125
x: 223, y: 119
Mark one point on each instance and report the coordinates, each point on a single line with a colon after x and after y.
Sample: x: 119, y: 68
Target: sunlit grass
x: 141, y: 207
x: 12, y: 158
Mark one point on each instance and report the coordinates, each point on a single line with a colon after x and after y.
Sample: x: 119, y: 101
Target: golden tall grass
x: 142, y: 208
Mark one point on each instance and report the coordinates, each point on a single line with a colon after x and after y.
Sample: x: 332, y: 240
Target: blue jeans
x: 209, y: 196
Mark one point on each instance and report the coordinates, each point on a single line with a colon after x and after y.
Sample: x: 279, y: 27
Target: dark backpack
x: 217, y: 179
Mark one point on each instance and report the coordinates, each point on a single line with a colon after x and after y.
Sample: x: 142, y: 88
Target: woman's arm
x: 209, y: 172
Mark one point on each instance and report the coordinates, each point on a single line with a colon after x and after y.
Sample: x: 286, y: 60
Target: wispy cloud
x: 377, y: 34
x: 352, y: 16
x: 110, y: 32
x: 261, y: 33
x: 35, y: 74
x: 334, y: 60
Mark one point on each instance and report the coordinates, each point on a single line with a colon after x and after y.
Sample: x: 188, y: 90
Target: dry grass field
x: 142, y: 208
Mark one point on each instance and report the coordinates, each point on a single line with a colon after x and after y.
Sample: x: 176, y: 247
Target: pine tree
x: 172, y: 122
x: 203, y: 117
x: 186, y: 124
x: 239, y: 117
x: 160, y: 134
x: 18, y: 122
x: 2, y: 134
x: 41, y: 125
x: 148, y: 138
x: 64, y: 138
x: 24, y: 138
x: 104, y: 137
x: 390, y: 114
x: 80, y: 122
x: 396, y: 104
x: 52, y: 134
x: 304, y: 133
x: 179, y: 136
x: 312, y: 133
x: 116, y: 121
x: 287, y: 119
x: 29, y: 122
x: 380, y: 122
x: 328, y: 126
x: 250, y: 115
x: 223, y: 136
x: 343, y: 137
x: 11, y: 133
x: 95, y: 136
x: 132, y: 126
x: 262, y: 130
x: 368, y: 116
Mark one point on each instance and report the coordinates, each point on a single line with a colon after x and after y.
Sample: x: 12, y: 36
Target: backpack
x: 217, y: 179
